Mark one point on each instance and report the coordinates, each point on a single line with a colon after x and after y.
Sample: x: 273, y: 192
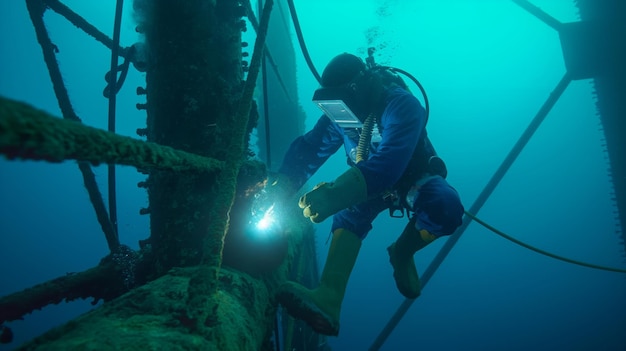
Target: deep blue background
x: 487, y: 66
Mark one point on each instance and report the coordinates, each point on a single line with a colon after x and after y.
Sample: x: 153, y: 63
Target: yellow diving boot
x: 401, y: 257
x: 320, y: 307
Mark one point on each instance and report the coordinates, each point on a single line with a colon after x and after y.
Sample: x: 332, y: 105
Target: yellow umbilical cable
x: 362, y: 149
x: 546, y: 253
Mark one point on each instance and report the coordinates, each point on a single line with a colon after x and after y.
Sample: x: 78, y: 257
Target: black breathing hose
x: 419, y: 85
x: 309, y: 62
x: 305, y: 52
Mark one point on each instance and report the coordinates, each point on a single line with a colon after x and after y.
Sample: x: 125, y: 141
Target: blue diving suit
x: 396, y: 167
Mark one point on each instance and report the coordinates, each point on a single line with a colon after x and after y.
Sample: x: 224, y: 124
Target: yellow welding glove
x: 327, y: 199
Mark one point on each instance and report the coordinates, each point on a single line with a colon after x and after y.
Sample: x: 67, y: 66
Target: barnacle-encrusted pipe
x: 28, y: 133
x: 100, y: 282
x: 202, y: 284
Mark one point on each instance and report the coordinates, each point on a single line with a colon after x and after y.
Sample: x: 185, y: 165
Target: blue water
x: 487, y: 66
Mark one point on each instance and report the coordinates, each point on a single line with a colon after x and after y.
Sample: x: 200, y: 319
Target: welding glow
x: 267, y: 219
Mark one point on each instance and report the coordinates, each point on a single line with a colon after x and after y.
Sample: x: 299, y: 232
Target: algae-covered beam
x: 150, y: 317
x: 85, y: 26
x: 101, y: 282
x: 193, y: 77
x: 235, y: 147
x: 203, y: 284
x: 28, y: 133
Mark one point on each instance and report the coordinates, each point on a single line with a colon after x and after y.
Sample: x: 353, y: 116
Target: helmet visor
x: 334, y: 103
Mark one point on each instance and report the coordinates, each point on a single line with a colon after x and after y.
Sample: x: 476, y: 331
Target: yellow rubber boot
x: 401, y: 257
x: 321, y: 307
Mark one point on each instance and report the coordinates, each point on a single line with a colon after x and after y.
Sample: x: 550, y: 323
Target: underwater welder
x: 369, y: 110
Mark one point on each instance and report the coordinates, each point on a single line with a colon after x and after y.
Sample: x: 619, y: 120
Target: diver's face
x: 362, y: 102
x: 356, y: 99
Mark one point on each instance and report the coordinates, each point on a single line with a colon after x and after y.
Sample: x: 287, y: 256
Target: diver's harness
x: 422, y: 167
x: 404, y: 197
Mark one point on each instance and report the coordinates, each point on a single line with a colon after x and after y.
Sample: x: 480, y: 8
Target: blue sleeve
x: 307, y: 153
x: 401, y: 126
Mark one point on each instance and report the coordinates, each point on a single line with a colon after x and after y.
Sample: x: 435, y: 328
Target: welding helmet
x: 337, y: 97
